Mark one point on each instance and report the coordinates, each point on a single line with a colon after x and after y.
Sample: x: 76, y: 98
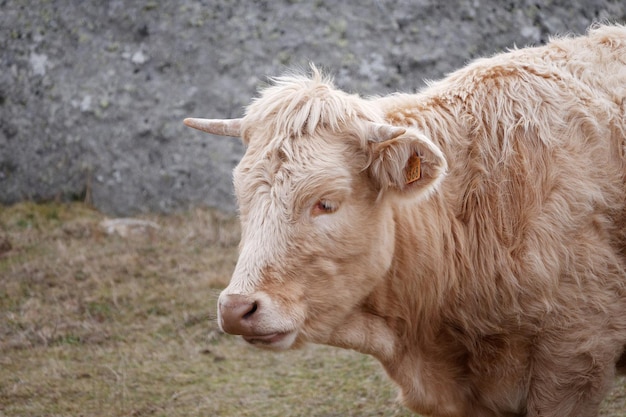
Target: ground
x: 99, y: 319
x: 93, y: 323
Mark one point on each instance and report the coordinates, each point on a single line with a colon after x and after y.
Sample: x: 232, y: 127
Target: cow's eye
x: 324, y: 207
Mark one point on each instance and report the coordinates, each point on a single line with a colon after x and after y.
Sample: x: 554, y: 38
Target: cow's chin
x: 274, y: 341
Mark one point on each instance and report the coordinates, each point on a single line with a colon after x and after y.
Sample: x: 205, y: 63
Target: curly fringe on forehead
x: 296, y: 105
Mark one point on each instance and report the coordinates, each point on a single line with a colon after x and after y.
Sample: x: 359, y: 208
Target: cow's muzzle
x: 237, y: 314
x: 242, y: 315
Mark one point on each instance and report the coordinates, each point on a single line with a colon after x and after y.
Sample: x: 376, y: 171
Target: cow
x: 470, y: 236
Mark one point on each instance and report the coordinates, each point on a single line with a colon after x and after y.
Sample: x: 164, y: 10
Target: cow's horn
x: 381, y: 133
x: 222, y: 127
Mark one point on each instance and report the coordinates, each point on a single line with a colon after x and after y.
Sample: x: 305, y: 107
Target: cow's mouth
x: 279, y: 340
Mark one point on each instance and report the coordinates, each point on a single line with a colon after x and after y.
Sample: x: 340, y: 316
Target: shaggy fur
x: 493, y: 286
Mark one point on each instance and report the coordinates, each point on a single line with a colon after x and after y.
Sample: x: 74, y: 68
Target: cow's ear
x: 405, y: 160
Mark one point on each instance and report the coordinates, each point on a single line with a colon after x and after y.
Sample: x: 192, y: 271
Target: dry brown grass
x: 96, y: 324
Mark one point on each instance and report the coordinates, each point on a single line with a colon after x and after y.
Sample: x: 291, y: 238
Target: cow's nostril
x: 237, y: 313
x: 254, y: 308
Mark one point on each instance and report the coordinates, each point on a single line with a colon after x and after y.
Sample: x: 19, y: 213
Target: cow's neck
x: 401, y: 321
x: 424, y: 272
x: 405, y: 305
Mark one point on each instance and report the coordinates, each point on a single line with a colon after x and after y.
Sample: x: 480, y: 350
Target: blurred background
x: 92, y: 94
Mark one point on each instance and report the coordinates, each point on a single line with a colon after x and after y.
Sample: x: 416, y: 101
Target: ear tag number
x: 413, y: 170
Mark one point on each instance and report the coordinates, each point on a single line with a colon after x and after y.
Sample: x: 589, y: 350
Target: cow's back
x: 535, y: 193
x: 541, y: 173
x: 598, y: 60
x: 534, y: 140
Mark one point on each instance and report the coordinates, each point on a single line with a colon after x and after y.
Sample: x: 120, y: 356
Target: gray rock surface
x: 92, y: 94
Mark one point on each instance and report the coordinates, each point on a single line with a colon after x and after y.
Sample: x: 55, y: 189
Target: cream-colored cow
x: 471, y: 237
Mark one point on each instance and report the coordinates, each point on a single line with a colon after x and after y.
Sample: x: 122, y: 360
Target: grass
x: 94, y: 323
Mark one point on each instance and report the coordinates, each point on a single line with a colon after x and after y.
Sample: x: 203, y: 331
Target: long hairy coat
x: 490, y: 283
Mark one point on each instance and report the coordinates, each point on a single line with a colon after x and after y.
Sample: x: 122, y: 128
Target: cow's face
x: 317, y: 223
x: 314, y: 241
x: 317, y: 233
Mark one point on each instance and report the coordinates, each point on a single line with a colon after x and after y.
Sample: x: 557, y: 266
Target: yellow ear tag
x: 413, y: 170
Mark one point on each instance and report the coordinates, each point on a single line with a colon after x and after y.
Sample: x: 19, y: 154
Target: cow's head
x: 315, y: 190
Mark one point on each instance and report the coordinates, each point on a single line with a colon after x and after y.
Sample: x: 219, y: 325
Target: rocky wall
x: 93, y: 93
